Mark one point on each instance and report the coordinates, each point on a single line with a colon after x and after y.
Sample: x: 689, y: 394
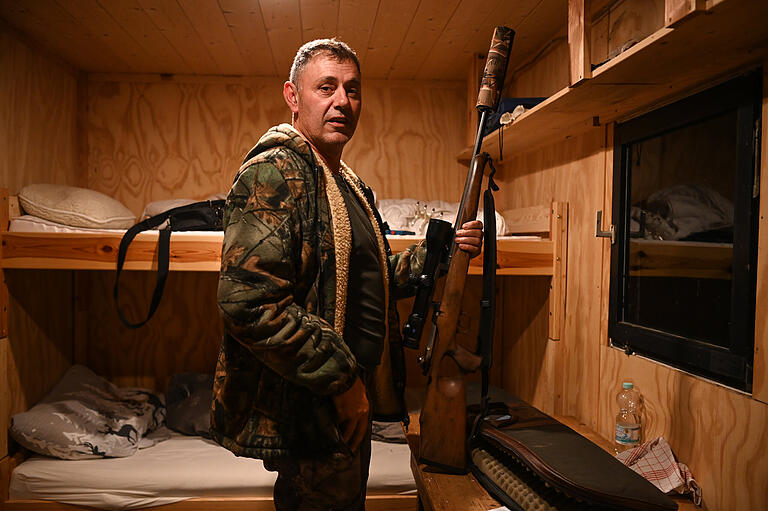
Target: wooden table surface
x: 449, y: 492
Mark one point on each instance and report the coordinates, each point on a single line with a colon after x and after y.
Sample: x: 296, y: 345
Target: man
x: 307, y: 293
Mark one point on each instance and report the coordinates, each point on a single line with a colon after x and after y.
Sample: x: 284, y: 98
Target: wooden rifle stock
x: 443, y: 422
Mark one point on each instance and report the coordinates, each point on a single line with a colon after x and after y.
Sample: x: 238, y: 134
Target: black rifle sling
x: 198, y: 216
x: 163, y: 255
x: 488, y: 303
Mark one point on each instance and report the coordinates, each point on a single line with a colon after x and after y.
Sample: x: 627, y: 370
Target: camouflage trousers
x: 336, y: 483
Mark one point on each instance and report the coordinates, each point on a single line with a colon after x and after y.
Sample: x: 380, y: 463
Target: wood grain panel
x: 5, y: 397
x: 109, y: 34
x: 247, y: 26
x: 136, y: 22
x: 405, y: 140
x: 676, y: 11
x: 38, y: 135
x: 54, y: 28
x: 319, y: 18
x: 545, y: 76
x: 283, y: 23
x: 427, y: 24
x: 156, y: 140
x: 527, y: 357
x: 392, y: 22
x: 78, y: 251
x: 621, y: 23
x: 466, y: 20
x: 173, y: 24
x: 579, y: 29
x: 534, y: 219
x: 4, y: 220
x: 211, y: 26
x: 172, y: 36
x: 580, y: 183
x: 356, y: 20
x: 183, y: 335
x: 162, y: 140
x: 572, y: 172
x: 719, y: 433
x: 39, y: 348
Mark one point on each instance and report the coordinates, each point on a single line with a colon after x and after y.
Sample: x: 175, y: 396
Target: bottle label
x: 628, y: 434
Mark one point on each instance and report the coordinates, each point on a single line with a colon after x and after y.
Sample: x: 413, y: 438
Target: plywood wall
x: 720, y: 433
x: 183, y: 335
x: 38, y: 116
x: 151, y: 139
x: 38, y: 143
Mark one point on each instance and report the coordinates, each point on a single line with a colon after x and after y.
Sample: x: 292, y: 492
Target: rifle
x: 443, y: 415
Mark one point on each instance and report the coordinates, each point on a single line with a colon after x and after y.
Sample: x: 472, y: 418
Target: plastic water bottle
x: 628, y: 425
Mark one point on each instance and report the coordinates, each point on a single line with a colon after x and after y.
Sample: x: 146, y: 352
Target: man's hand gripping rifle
x: 443, y: 415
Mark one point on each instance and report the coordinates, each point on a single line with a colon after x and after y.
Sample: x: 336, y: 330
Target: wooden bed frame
x: 200, y: 252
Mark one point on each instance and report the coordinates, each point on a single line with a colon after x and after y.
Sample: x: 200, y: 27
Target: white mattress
x: 177, y: 469
x: 30, y: 223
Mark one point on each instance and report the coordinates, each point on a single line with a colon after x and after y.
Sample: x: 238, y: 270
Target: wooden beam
x: 676, y: 11
x: 559, y: 234
x: 760, y: 379
x: 578, y: 40
x: 5, y: 399
x: 535, y: 219
x: 4, y: 219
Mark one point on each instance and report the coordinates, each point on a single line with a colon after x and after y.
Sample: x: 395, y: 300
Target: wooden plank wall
x: 38, y: 125
x: 150, y: 139
x: 38, y: 143
x: 720, y: 433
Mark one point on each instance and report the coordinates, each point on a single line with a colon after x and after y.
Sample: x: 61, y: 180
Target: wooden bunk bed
x: 49, y: 253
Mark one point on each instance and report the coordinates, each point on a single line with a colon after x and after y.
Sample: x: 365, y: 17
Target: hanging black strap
x: 163, y: 255
x: 488, y: 303
x: 198, y: 216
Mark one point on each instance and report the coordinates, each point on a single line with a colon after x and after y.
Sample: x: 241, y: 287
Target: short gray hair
x: 338, y: 50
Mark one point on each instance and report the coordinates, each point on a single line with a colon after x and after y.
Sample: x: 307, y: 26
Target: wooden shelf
x: 85, y: 251
x: 202, y: 252
x: 684, y: 259
x: 661, y: 68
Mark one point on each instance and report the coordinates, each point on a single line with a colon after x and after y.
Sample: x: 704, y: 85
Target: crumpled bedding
x: 85, y: 416
x: 412, y: 214
x: 681, y: 211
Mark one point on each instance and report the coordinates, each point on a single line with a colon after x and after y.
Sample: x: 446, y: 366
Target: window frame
x: 730, y: 366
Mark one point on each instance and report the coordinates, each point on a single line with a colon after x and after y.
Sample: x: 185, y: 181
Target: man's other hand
x: 352, y: 414
x: 470, y: 237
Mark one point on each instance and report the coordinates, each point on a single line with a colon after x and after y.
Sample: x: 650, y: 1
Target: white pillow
x: 161, y: 206
x: 73, y: 206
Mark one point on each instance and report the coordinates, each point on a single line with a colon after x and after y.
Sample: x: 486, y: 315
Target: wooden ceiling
x: 395, y: 39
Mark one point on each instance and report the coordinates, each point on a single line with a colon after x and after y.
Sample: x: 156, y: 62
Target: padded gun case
x: 530, y: 461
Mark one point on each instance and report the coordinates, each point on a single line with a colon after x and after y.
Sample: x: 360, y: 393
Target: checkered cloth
x: 654, y: 461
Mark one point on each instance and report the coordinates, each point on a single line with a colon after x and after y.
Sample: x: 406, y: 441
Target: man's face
x: 326, y: 104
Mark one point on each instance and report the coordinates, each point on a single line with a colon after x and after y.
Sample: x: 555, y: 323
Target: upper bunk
x: 539, y: 248
x: 201, y: 251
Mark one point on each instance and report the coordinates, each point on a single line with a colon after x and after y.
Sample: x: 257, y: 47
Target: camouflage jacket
x: 282, y: 298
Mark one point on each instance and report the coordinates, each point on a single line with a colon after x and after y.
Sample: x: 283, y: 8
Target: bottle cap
x: 627, y: 385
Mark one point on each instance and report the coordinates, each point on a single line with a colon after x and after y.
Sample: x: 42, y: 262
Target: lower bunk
x: 182, y: 473
x: 96, y: 445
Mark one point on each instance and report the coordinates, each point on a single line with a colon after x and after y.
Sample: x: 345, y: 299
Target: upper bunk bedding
x: 34, y: 242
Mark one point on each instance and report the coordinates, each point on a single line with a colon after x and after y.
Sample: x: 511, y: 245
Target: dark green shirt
x: 364, y: 327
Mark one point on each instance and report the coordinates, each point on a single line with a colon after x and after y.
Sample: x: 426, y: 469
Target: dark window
x: 685, y: 211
